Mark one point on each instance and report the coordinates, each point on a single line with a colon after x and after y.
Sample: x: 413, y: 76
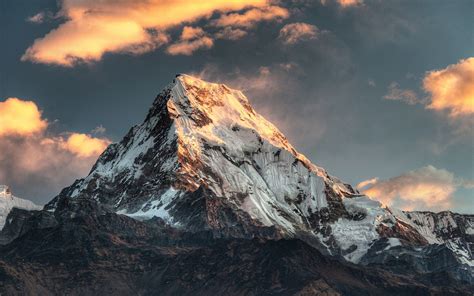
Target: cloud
x: 189, y: 33
x: 297, y: 32
x: 349, y: 3
x: 366, y: 183
x: 192, y: 39
x: 35, y: 161
x: 263, y: 80
x: 20, y: 118
x: 251, y: 17
x: 42, y: 17
x: 345, y: 3
x: 450, y: 91
x: 93, y: 28
x: 395, y: 93
x: 426, y: 188
x: 37, y: 18
x: 452, y: 88
x: 99, y: 130
x: 84, y: 145
x: 230, y: 34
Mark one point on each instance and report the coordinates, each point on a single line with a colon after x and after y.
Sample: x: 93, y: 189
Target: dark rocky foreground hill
x: 84, y: 249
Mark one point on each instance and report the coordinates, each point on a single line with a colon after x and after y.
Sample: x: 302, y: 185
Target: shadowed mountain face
x: 205, y: 197
x: 82, y: 249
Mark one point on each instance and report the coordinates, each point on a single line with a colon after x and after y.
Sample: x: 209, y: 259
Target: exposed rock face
x: 207, y: 173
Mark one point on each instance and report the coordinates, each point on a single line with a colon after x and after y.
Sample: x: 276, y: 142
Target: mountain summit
x: 205, y: 137
x: 208, y: 197
x: 205, y: 159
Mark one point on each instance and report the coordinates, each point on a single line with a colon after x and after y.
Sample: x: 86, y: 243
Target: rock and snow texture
x: 243, y: 158
x: 361, y: 232
x: 455, y: 231
x: 200, y: 134
x: 204, y: 157
x: 8, y: 201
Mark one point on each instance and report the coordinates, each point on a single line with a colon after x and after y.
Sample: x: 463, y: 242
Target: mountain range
x: 206, y: 196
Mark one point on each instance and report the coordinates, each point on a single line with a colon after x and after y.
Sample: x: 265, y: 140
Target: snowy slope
x: 8, y: 202
x: 204, y: 158
x: 453, y: 230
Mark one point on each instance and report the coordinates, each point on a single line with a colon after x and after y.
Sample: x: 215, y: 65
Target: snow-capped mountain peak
x: 209, y: 174
x: 205, y: 159
x: 206, y: 135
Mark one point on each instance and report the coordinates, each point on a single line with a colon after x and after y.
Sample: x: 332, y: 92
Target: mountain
x: 8, y: 201
x: 205, y: 159
x: 206, y: 177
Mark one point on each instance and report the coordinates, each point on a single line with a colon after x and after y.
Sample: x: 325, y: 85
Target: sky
x: 380, y: 93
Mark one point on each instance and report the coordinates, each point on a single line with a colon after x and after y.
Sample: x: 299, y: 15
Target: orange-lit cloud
x: 23, y: 119
x: 296, y: 32
x: 84, y: 145
x: 348, y: 3
x: 20, y: 118
x: 31, y: 154
x: 450, y: 91
x: 192, y: 39
x: 366, y: 183
x: 93, y: 28
x: 427, y: 188
x: 230, y: 34
x: 344, y: 3
x: 452, y: 88
x: 251, y: 17
x: 188, y: 47
x: 189, y: 33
